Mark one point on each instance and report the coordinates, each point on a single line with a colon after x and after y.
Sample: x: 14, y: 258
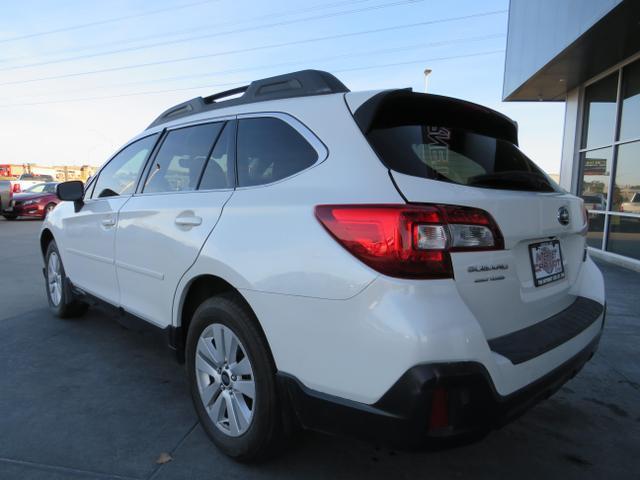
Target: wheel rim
x: 54, y: 279
x: 225, y: 380
x: 49, y: 209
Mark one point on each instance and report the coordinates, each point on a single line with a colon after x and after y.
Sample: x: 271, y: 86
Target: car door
x: 162, y: 228
x: 89, y: 241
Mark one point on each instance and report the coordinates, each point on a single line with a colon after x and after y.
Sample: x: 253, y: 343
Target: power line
x: 402, y: 48
x: 104, y: 22
x: 210, y: 35
x: 153, y: 92
x: 252, y: 49
x: 288, y: 12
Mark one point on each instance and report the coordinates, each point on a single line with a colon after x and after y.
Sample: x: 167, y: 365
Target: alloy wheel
x: 54, y: 278
x: 225, y: 379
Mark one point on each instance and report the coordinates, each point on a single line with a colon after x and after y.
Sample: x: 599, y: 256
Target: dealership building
x: 587, y: 54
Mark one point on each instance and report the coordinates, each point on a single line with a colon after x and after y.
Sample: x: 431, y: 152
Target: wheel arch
x: 199, y: 289
x: 46, y: 237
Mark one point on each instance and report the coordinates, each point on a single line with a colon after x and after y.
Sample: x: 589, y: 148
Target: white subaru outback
x: 385, y: 264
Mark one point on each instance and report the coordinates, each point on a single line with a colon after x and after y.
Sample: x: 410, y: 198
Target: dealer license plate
x: 546, y: 262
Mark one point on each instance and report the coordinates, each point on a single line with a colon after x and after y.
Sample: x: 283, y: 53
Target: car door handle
x: 108, y: 222
x: 188, y: 221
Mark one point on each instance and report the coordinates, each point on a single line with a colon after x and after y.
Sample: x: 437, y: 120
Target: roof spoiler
x: 391, y: 107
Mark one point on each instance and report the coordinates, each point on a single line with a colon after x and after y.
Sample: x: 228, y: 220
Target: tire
x: 10, y: 217
x: 48, y: 209
x: 62, y: 301
x: 257, y: 432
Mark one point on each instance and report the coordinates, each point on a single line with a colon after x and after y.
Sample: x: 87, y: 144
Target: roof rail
x: 296, y: 84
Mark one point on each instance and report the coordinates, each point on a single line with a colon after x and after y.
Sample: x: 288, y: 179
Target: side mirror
x: 72, y: 191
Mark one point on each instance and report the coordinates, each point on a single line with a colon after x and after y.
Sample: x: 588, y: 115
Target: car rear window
x: 448, y: 139
x: 457, y: 155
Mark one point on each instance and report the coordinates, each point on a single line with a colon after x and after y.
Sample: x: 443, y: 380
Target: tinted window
x: 270, y: 150
x: 119, y: 176
x: 600, y: 112
x: 219, y: 172
x: 181, y: 157
x: 630, y: 117
x: 596, y: 167
x: 457, y: 155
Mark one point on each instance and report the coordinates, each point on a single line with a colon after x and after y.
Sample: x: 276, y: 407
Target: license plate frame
x: 547, y: 265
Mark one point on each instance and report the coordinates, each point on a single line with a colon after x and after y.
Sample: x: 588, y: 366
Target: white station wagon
x: 386, y: 264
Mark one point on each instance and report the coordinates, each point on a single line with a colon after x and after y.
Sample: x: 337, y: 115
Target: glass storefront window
x: 596, y: 168
x: 630, y: 116
x: 600, y: 112
x: 596, y: 230
x: 624, y: 236
x: 626, y: 191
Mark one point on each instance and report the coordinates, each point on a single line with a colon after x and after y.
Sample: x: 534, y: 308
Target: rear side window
x: 269, y: 150
x: 181, y: 158
x: 457, y: 155
x: 119, y: 176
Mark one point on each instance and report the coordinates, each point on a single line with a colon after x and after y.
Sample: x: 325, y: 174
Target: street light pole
x: 427, y: 72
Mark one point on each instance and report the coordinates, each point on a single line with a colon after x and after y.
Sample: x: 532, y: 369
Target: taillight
x: 16, y: 188
x: 410, y: 241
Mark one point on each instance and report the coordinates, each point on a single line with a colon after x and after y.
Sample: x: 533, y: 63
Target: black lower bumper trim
x: 530, y: 342
x: 401, y: 417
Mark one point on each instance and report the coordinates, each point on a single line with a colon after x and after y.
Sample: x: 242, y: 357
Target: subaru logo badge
x: 563, y: 216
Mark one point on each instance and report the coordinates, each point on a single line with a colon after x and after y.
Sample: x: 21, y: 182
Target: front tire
x: 232, y: 379
x: 48, y: 209
x: 62, y: 301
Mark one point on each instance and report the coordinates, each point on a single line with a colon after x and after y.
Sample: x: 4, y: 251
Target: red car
x: 35, y: 201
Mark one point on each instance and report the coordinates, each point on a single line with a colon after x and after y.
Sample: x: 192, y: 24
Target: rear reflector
x: 16, y: 188
x: 410, y: 241
x: 439, y: 417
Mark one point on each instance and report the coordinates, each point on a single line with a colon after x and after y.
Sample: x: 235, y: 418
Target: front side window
x: 269, y: 150
x: 457, y: 155
x: 181, y: 157
x: 119, y: 176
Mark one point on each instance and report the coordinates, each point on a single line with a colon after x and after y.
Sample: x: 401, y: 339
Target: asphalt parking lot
x: 90, y: 399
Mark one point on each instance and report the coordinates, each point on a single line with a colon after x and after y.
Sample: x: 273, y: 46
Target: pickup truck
x: 633, y: 205
x: 27, y: 180
x: 6, y: 192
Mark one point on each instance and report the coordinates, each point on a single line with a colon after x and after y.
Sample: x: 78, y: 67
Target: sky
x: 78, y: 79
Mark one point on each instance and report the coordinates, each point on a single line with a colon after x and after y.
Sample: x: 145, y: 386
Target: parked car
x: 633, y: 205
x: 385, y: 264
x: 36, y: 201
x: 28, y: 180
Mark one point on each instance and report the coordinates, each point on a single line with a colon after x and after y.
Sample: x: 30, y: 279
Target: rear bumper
x: 403, y: 417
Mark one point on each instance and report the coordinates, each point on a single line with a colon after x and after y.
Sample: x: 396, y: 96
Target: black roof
x: 296, y: 84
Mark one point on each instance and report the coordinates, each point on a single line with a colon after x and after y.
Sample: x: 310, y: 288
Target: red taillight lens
x: 16, y: 188
x: 409, y: 241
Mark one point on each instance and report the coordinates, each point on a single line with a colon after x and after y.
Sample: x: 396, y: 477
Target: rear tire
x: 10, y: 217
x: 62, y: 301
x: 227, y: 360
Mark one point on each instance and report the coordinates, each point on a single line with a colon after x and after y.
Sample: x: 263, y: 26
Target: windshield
x: 459, y: 156
x: 39, y: 188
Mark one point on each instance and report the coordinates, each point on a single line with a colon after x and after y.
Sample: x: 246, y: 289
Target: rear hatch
x: 445, y: 151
